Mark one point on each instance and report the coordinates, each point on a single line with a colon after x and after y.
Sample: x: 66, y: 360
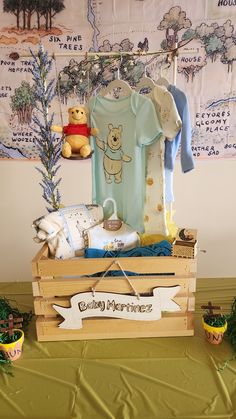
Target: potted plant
x: 214, y: 324
x: 11, y: 334
x: 11, y: 343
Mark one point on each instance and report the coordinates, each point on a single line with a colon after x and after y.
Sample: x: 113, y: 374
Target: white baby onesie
x: 154, y: 208
x: 166, y: 110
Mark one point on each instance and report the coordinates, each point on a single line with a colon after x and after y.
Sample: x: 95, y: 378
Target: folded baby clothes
x: 162, y: 248
x: 63, y: 229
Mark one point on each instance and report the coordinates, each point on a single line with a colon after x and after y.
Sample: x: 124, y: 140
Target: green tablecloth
x: 125, y: 378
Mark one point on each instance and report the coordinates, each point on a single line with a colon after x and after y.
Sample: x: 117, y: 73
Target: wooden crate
x: 56, y: 281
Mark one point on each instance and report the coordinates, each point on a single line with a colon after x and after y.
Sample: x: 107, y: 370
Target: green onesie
x: 125, y: 126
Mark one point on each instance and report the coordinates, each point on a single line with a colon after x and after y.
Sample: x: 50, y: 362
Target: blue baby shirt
x: 182, y: 139
x: 126, y: 126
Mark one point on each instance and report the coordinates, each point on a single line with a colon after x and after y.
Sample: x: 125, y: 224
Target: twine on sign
x: 115, y: 262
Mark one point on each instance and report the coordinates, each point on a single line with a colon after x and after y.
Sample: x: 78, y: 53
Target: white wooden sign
x: 104, y: 304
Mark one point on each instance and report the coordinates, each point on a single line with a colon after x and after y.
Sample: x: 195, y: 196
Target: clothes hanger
x: 115, y: 87
x: 162, y: 81
x: 113, y: 223
x: 145, y: 83
x: 119, y: 85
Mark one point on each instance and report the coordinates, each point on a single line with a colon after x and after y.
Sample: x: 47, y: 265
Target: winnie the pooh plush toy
x: 76, y: 133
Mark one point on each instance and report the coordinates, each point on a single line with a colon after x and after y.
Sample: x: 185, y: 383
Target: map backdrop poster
x: 205, y: 31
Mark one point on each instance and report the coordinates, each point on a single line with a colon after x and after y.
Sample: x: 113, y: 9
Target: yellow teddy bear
x: 76, y: 132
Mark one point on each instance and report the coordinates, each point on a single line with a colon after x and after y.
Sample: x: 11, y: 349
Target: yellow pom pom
x: 171, y: 226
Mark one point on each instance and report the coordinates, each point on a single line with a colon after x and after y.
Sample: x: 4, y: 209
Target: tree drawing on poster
x: 25, y: 11
x: 31, y: 21
x: 213, y: 42
x: 218, y: 42
x: 23, y: 103
x: 172, y: 22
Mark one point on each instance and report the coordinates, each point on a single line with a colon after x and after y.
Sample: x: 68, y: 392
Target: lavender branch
x: 48, y: 146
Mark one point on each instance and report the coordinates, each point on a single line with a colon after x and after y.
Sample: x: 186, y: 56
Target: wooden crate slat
x: 44, y: 306
x: 82, y: 266
x: 35, y: 288
x: 62, y: 286
x: 191, y: 302
x: 192, y: 284
x: 41, y: 254
x: 182, y: 325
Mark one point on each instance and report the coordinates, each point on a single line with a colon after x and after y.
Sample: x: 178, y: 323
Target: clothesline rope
x: 174, y: 51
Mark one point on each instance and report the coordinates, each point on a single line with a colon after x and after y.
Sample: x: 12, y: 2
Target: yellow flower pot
x: 214, y: 334
x: 13, y: 350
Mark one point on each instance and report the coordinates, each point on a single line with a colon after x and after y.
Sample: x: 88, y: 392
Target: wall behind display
x: 204, y: 200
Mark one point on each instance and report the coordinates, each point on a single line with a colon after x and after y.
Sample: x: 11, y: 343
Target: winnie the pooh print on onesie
x: 113, y: 154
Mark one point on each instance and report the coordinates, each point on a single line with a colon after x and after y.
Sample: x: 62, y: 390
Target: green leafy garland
x: 230, y: 334
x: 231, y: 331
